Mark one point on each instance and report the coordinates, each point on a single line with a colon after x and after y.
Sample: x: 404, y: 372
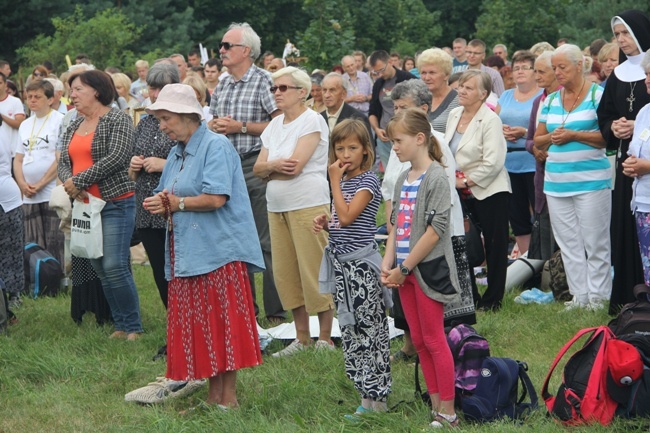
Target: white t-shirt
x: 44, y: 135
x: 309, y: 188
x: 10, y: 106
x: 10, y: 197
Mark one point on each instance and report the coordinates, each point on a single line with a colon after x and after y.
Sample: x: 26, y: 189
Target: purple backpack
x: 469, y: 349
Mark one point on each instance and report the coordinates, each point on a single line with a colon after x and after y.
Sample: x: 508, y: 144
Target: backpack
x: 634, y: 318
x: 469, y: 349
x: 43, y: 273
x: 582, y: 398
x: 554, y: 278
x: 497, y: 392
x: 634, y: 400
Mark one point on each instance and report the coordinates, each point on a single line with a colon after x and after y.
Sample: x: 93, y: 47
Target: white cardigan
x: 481, y: 153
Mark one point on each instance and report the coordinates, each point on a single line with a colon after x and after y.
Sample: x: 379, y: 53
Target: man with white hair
x: 58, y: 94
x: 501, y: 51
x: 359, y: 85
x: 334, y: 89
x: 242, y: 106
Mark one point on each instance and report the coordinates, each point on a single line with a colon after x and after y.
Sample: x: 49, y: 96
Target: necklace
x: 565, y: 118
x: 33, y: 138
x: 631, y: 98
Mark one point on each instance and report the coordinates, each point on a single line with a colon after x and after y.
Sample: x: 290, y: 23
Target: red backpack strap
x: 548, y: 398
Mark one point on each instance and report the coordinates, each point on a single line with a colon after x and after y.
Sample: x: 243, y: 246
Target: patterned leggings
x: 643, y: 233
x: 366, y: 343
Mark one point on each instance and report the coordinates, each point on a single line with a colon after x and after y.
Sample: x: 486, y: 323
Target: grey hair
x: 338, y: 77
x: 179, y: 55
x: 348, y: 56
x: 505, y: 49
x: 161, y: 74
x: 645, y: 63
x: 248, y: 38
x: 414, y: 89
x: 483, y: 80
x: 545, y: 57
x: 298, y: 76
x: 316, y: 78
x: 573, y: 53
x: 56, y: 83
x: 78, y: 69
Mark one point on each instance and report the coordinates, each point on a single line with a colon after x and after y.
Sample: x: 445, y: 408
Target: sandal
x: 401, y: 356
x: 356, y: 416
x: 442, y: 420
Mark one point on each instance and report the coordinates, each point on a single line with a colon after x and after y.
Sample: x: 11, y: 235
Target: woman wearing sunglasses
x: 293, y: 161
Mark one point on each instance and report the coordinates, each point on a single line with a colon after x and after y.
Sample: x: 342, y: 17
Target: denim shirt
x: 205, y: 241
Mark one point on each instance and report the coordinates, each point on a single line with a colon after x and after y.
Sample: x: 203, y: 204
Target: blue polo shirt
x: 205, y: 241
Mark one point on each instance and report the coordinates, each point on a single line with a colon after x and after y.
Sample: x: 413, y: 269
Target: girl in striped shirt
x: 351, y: 265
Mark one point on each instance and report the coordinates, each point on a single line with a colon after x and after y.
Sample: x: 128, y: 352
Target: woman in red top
x: 95, y: 155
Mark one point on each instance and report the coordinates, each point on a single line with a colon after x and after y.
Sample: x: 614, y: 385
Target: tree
x: 329, y: 35
x: 457, y: 19
x: 520, y: 25
x: 106, y: 38
x: 416, y: 28
x: 590, y: 19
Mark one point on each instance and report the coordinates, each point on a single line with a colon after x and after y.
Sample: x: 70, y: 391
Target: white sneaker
x: 293, y: 348
x: 574, y: 304
x: 595, y: 305
x: 163, y: 389
x: 324, y: 345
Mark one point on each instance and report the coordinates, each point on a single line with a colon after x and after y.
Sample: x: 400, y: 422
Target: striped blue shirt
x: 574, y: 168
x: 361, y: 232
x: 407, y: 199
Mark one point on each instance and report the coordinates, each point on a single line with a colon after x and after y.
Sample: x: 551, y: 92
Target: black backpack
x: 634, y: 400
x: 497, y: 394
x: 634, y: 318
x: 43, y: 273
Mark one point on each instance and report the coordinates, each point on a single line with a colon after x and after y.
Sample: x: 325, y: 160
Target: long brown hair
x: 353, y: 128
x: 413, y: 121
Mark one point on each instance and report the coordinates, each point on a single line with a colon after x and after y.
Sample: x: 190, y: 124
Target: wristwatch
x: 243, y: 128
x: 181, y: 204
x: 404, y: 270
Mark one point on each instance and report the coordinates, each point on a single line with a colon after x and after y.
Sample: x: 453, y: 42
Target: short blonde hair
x: 121, y: 79
x: 540, y: 47
x: 437, y: 57
x: 606, y: 50
x: 196, y: 83
x: 299, y: 77
x: 142, y: 64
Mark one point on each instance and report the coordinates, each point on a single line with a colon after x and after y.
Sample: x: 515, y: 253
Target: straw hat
x: 177, y: 98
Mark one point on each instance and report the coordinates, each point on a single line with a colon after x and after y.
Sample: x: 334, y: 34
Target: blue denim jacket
x: 205, y: 241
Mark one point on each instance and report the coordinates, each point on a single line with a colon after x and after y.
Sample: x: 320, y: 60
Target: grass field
x: 56, y: 376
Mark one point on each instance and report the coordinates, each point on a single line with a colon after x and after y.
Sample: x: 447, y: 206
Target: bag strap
x: 418, y: 388
x: 527, y: 386
x: 562, y: 352
x: 641, y: 292
x: 463, y: 340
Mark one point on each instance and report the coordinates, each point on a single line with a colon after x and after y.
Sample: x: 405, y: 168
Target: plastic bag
x: 86, y: 237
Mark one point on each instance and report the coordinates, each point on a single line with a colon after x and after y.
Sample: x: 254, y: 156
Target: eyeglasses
x: 227, y: 45
x: 37, y: 74
x: 474, y: 53
x: 379, y: 72
x: 522, y: 68
x: 282, y: 88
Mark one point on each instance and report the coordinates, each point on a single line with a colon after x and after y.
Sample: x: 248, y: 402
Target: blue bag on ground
x: 497, y: 393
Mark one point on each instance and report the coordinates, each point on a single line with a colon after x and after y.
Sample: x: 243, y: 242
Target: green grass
x: 58, y: 377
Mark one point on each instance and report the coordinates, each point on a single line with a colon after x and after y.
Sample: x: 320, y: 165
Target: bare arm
x: 13, y: 122
x: 287, y: 168
x: 346, y: 212
x: 200, y: 203
x: 48, y: 177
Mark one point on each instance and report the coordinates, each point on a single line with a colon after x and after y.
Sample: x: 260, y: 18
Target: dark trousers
x: 154, y: 244
x: 491, y: 216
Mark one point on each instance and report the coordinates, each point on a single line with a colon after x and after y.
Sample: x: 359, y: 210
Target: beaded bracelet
x: 168, y: 210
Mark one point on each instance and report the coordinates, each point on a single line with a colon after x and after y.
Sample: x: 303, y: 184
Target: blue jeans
x: 118, y: 220
x: 383, y: 151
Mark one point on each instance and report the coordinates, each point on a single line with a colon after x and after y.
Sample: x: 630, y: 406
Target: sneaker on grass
x: 293, y: 348
x: 324, y: 345
x: 163, y: 389
x: 574, y: 304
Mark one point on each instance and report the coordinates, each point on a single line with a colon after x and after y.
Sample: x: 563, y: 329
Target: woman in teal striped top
x: 578, y: 180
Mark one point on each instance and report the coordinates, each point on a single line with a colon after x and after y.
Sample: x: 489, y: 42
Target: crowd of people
x: 247, y: 163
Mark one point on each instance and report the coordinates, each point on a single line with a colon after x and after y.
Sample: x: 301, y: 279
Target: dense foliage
x: 116, y: 32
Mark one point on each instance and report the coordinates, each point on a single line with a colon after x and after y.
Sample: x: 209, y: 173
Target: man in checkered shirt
x: 242, y: 106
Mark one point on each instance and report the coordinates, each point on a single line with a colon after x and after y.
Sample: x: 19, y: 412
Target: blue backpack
x: 496, y: 394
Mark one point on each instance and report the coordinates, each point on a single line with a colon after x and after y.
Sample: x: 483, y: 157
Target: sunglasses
x: 283, y: 88
x: 227, y: 45
x: 38, y: 74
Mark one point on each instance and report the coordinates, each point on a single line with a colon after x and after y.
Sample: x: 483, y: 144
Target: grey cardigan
x: 433, y: 195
